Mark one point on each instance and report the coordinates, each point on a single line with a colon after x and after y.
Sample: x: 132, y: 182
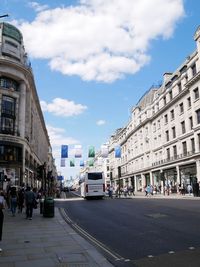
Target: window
x: 191, y: 123
x: 8, y: 106
x: 166, y: 118
x: 174, y: 132
x: 8, y: 83
x: 196, y: 93
x: 172, y: 114
x: 181, y: 108
x: 164, y: 100
x: 184, y: 148
x: 198, y: 116
x: 11, y: 44
x: 189, y: 102
x: 167, y: 135
x: 158, y: 124
x: 170, y: 95
x: 183, y: 127
x: 179, y: 87
x: 168, y: 153
x: 7, y: 115
x: 175, y: 151
x: 10, y: 153
x: 193, y: 145
x: 194, y: 70
x: 198, y: 141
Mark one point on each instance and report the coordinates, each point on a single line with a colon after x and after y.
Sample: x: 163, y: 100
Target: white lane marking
x: 191, y: 248
x: 171, y: 252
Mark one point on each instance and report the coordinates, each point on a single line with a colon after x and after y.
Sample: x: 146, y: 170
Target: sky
x: 93, y: 60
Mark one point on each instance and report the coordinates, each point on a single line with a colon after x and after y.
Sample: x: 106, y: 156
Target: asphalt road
x: 139, y: 228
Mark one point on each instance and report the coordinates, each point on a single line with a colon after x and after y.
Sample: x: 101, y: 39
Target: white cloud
x: 99, y: 39
x: 100, y: 122
x: 37, y: 7
x: 58, y: 137
x: 63, y: 107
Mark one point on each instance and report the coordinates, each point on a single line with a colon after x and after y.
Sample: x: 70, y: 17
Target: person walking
x: 2, y: 206
x: 21, y: 200
x: 29, y: 200
x: 13, y: 200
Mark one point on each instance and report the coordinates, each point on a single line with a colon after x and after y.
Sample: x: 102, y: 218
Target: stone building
x: 160, y: 145
x: 24, y: 141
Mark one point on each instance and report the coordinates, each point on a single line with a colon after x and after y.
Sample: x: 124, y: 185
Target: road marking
x: 88, y: 236
x: 171, y: 252
x: 150, y: 256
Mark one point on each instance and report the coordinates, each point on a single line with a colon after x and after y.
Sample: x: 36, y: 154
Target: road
x: 136, y: 229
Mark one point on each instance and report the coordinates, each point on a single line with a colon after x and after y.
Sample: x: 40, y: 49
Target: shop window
x: 8, y: 83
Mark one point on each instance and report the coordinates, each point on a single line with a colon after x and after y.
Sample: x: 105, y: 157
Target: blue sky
x: 93, y: 59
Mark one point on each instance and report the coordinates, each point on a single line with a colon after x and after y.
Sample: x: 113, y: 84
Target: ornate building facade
x: 24, y: 141
x: 160, y: 145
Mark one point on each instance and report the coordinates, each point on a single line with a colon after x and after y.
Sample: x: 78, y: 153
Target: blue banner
x: 82, y: 163
x: 64, y: 151
x: 118, y: 151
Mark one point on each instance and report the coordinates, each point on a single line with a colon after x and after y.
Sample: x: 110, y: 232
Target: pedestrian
x: 2, y: 206
x: 13, y: 200
x: 29, y: 200
x: 189, y: 189
x: 21, y: 200
x: 110, y: 191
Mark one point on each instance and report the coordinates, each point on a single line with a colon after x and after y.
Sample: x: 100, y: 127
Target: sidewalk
x: 45, y: 242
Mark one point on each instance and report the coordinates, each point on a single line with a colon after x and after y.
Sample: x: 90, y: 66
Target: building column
x: 22, y: 109
x: 143, y: 181
x: 178, y: 175
x: 151, y: 178
x: 198, y: 170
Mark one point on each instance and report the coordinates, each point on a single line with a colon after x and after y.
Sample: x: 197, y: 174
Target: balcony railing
x: 177, y: 157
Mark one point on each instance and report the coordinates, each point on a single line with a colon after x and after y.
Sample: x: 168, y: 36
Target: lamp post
x: 3, y: 16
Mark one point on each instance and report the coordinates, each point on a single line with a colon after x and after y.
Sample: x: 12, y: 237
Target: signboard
x: 60, y: 178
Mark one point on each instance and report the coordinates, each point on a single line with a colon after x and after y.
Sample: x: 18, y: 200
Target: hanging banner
x: 118, y: 151
x: 62, y: 163
x: 91, y: 152
x: 82, y: 163
x: 104, y: 151
x: 78, y: 151
x: 72, y: 163
x: 91, y: 162
x: 64, y: 151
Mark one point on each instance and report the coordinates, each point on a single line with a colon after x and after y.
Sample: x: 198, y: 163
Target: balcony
x: 177, y: 157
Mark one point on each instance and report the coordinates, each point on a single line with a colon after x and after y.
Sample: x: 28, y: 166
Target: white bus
x: 93, y: 185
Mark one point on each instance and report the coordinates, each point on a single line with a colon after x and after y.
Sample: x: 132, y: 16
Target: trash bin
x: 48, y: 207
x: 41, y: 206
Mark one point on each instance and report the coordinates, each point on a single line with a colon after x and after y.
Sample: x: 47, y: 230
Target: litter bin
x: 48, y: 207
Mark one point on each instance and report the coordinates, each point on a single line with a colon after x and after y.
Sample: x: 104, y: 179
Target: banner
x: 60, y: 178
x: 91, y: 162
x: 72, y: 163
x: 64, y: 151
x: 82, y: 163
x: 78, y: 151
x: 91, y: 153
x: 104, y: 151
x: 118, y: 151
x: 62, y: 163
